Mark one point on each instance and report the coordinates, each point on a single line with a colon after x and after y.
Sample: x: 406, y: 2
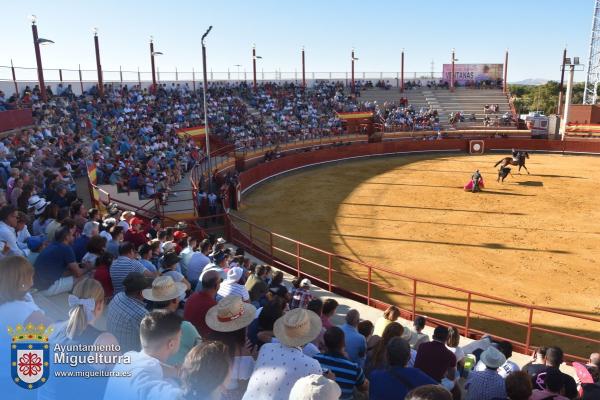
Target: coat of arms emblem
x: 30, y: 355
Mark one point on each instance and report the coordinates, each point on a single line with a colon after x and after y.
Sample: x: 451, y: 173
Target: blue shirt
x: 80, y: 247
x: 395, y: 383
x: 356, y: 344
x: 51, y: 264
x: 347, y: 373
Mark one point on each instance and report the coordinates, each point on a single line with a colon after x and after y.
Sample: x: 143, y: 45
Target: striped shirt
x: 119, y: 270
x: 347, y: 374
x: 232, y: 288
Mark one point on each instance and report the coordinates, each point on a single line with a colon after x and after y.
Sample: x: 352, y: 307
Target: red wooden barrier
x: 14, y: 119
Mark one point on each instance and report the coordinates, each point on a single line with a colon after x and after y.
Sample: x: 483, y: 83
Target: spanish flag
x: 193, y: 132
x: 355, y: 115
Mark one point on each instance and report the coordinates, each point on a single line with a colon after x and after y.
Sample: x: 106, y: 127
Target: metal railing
x: 444, y: 304
x: 29, y: 74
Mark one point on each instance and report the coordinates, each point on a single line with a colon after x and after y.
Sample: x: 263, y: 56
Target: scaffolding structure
x: 590, y: 93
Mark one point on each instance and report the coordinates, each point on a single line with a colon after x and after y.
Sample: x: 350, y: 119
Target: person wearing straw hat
x: 165, y: 295
x: 232, y: 285
x: 230, y: 319
x: 280, y: 365
x: 315, y: 387
x: 488, y: 384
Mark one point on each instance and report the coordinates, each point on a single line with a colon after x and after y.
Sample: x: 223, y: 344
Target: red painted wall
x: 13, y: 119
x: 290, y: 162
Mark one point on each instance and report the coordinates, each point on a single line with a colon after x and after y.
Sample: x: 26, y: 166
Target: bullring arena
x: 533, y: 240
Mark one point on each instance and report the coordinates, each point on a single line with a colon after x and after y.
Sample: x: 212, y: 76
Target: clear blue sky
x: 534, y: 31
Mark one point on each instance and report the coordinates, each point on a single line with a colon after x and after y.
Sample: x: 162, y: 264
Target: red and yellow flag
x: 193, y: 132
x: 355, y: 115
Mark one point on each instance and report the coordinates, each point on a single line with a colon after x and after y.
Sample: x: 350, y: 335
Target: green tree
x: 542, y: 98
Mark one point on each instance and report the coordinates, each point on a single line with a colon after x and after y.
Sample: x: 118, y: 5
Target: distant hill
x: 531, y: 82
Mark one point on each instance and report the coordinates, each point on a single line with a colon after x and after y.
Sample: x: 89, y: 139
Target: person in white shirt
x: 197, y: 262
x: 187, y: 253
x: 8, y: 223
x: 280, y: 365
x: 151, y: 378
x: 232, y: 285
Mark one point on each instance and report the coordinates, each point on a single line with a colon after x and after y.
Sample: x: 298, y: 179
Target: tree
x: 542, y: 98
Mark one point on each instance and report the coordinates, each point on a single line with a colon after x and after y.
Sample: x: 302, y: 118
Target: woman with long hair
x: 378, y: 357
x: 16, y: 304
x: 86, y: 306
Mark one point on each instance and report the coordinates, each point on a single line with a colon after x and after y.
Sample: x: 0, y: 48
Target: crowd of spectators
x: 198, y: 320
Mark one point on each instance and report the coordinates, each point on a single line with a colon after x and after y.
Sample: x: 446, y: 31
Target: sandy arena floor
x: 534, y: 239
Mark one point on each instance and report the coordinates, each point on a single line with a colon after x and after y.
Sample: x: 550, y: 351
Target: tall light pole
x: 38, y: 56
x: 565, y: 119
x: 152, y: 54
x: 303, y: 70
x: 238, y: 71
x: 452, y: 72
x: 206, y: 129
x: 505, y: 83
x: 562, y: 81
x: 98, y: 65
x: 402, y: 72
x: 353, y: 59
x: 152, y: 61
x: 254, y: 65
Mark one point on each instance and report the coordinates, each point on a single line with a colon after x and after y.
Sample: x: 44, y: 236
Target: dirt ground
x: 534, y: 239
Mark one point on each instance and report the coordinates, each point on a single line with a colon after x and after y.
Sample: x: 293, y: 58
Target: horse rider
x: 475, y: 178
x: 515, y: 155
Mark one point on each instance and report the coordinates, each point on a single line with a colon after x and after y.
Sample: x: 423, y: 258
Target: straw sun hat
x: 230, y: 314
x: 164, y: 289
x: 297, y: 327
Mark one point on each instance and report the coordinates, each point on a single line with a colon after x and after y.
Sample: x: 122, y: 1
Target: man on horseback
x: 515, y: 155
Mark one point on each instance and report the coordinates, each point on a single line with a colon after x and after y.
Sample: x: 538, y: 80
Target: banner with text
x: 469, y: 73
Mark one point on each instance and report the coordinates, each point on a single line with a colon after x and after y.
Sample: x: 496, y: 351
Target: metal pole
x: 254, y: 65
x: 194, y: 79
x: 60, y: 75
x: 402, y: 72
x: 452, y: 74
x: 38, y: 59
x: 139, y: 78
x: 206, y: 129
x: 562, y: 80
x: 565, y: 120
x: 152, y: 63
x: 98, y: 65
x: 176, y: 75
x: 121, y: 75
x: 303, y: 70
x: 14, y: 76
x: 505, y: 83
x: 352, y: 83
x: 80, y: 80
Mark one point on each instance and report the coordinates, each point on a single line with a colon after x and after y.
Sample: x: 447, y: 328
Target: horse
x: 509, y: 161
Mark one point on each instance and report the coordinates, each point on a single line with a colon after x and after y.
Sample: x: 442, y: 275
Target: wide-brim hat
x: 315, y: 387
x: 213, y: 267
x: 234, y: 274
x: 164, y: 289
x: 40, y: 207
x: 230, y: 314
x: 297, y: 327
x: 492, y: 358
